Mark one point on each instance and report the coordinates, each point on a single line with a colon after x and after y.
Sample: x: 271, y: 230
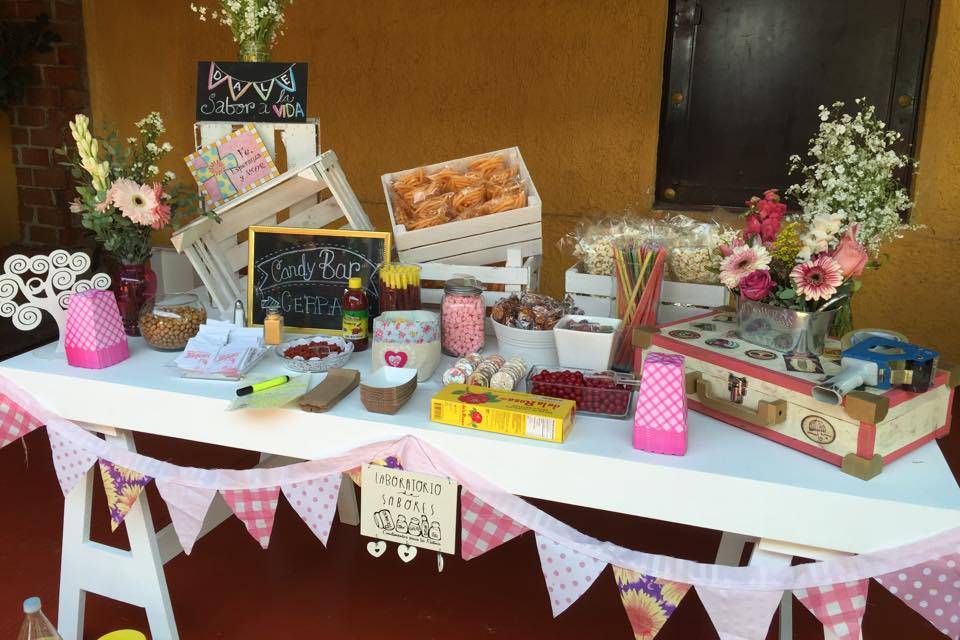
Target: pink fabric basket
x: 95, y: 337
x: 660, y: 422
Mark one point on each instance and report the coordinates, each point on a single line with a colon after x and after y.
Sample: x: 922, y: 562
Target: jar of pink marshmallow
x: 462, y: 316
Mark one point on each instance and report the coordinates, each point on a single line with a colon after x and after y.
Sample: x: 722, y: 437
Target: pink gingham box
x: 95, y: 338
x: 660, y: 422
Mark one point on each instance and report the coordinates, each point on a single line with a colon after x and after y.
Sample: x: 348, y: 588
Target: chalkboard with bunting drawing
x: 305, y: 272
x: 252, y: 91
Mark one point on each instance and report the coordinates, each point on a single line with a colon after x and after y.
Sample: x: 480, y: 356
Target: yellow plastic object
x: 124, y: 634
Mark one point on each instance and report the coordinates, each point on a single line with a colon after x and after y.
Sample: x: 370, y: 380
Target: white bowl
x: 534, y: 347
x: 316, y: 365
x: 585, y: 350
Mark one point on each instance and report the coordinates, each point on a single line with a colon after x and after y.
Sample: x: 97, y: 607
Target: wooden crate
x: 519, y: 275
x: 291, y: 144
x: 597, y: 296
x: 478, y: 241
x: 219, y: 255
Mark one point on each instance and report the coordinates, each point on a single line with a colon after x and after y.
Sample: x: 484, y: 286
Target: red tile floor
x: 230, y: 588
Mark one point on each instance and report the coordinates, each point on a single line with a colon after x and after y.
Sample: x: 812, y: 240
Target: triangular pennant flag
x: 263, y: 89
x: 69, y: 461
x: 740, y: 614
x: 568, y: 573
x: 839, y: 607
x: 256, y: 508
x: 483, y: 528
x: 15, y: 421
x: 648, y: 601
x: 238, y: 88
x: 123, y: 486
x: 932, y: 589
x: 216, y: 77
x: 315, y: 501
x: 188, y: 507
x: 287, y: 80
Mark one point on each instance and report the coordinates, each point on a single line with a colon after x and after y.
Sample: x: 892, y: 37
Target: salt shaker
x: 462, y: 316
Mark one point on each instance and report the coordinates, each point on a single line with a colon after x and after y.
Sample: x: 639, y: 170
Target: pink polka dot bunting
x: 69, y: 461
x: 932, y: 589
x: 315, y: 501
x: 568, y: 573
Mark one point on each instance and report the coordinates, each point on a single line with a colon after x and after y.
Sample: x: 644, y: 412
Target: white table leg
x: 347, y: 502
x: 731, y: 549
x: 135, y: 577
x: 762, y: 556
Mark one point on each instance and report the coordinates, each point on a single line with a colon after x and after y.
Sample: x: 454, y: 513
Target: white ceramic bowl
x: 534, y: 347
x: 585, y: 350
x: 316, y: 365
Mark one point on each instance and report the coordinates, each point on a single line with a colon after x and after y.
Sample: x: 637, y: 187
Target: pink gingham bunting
x: 568, y: 573
x: 932, y: 589
x: 15, y: 421
x: 482, y: 527
x: 69, y: 461
x: 256, y: 508
x: 315, y: 501
x: 839, y: 607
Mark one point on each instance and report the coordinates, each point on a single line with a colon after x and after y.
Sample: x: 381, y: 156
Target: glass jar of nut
x: 168, y: 322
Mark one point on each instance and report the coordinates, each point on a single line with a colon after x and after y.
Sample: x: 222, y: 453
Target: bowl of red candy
x: 601, y: 393
x: 313, y: 355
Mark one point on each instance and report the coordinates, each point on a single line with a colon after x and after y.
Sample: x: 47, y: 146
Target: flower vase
x: 135, y: 285
x: 781, y: 329
x: 253, y: 51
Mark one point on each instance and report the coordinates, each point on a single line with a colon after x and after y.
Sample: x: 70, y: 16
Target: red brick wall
x: 56, y: 91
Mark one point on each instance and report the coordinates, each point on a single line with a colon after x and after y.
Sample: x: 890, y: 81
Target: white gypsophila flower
x: 170, y: 175
x: 152, y: 147
x: 166, y: 147
x: 852, y: 176
x: 153, y: 170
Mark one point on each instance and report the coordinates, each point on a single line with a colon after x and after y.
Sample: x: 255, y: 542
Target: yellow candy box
x: 508, y: 412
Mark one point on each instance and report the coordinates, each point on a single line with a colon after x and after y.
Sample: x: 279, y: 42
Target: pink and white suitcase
x: 769, y: 394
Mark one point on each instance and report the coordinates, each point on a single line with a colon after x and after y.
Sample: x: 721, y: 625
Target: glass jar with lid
x: 462, y: 314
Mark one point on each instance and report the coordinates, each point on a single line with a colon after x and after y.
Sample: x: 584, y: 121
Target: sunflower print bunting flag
x: 123, y: 486
x: 648, y: 601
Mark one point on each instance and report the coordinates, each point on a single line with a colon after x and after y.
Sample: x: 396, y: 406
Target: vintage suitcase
x: 769, y: 394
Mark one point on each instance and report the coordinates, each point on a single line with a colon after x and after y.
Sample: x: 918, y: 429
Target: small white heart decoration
x: 406, y: 553
x: 376, y: 549
x: 439, y: 562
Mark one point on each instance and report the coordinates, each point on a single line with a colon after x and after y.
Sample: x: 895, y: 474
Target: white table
x: 730, y: 480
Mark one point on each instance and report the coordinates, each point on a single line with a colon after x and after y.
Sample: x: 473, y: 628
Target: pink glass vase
x: 135, y: 285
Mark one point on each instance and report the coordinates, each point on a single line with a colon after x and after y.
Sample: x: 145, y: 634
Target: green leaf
x: 787, y: 294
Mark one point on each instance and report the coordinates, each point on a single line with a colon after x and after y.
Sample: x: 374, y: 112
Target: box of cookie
x: 469, y: 209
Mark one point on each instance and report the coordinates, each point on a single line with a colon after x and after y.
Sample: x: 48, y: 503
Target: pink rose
x: 850, y: 254
x: 757, y: 285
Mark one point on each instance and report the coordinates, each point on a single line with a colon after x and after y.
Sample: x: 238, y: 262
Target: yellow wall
x: 575, y: 85
x: 9, y: 203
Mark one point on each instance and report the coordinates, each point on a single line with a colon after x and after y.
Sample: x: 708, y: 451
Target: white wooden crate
x: 597, y: 296
x: 300, y: 141
x: 519, y: 275
x: 478, y: 241
x: 213, y: 247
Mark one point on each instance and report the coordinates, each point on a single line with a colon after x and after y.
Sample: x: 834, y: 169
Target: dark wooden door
x: 744, y: 78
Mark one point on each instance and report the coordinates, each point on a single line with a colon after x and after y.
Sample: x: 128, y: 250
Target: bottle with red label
x: 356, y: 315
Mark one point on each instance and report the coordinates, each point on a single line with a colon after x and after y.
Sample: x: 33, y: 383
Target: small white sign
x: 408, y: 508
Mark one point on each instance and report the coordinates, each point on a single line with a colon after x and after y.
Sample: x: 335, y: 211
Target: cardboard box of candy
x: 508, y: 412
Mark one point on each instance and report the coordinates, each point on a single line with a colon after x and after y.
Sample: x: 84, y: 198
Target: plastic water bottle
x: 35, y: 625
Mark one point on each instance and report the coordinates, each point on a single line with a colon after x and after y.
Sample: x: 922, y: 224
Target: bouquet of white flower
x: 254, y: 24
x: 851, y: 183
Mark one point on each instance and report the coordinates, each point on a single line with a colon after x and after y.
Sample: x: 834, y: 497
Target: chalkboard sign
x: 305, y: 272
x: 252, y: 91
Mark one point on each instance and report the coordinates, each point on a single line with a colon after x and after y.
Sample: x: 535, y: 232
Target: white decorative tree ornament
x: 24, y: 297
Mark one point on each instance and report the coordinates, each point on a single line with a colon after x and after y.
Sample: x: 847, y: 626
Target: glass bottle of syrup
x: 356, y: 315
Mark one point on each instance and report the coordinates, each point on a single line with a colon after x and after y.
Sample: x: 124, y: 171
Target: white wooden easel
x: 773, y: 553
x: 136, y: 576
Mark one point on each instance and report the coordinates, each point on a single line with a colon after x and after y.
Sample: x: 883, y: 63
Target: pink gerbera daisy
x: 817, y: 279
x: 742, y: 262
x: 136, y: 202
x: 161, y: 212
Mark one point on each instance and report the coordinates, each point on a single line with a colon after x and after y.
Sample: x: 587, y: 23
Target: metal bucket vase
x: 783, y: 330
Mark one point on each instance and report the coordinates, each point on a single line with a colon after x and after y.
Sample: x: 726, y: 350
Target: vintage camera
x: 881, y: 362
